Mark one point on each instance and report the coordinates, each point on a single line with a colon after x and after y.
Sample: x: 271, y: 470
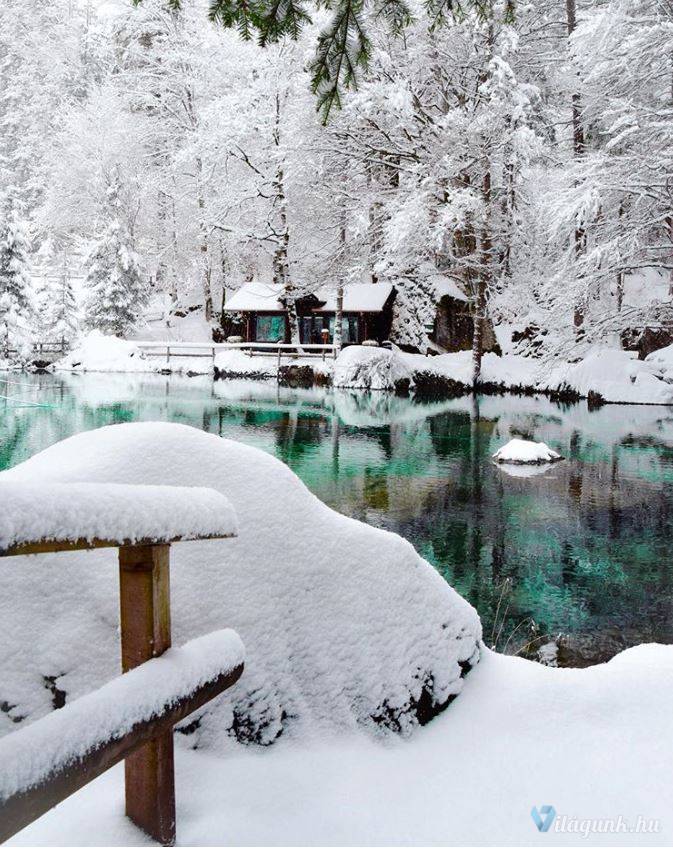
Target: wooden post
x: 168, y: 355
x: 146, y: 633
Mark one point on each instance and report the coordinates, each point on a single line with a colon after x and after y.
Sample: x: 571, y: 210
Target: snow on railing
x: 132, y: 717
x: 156, y: 348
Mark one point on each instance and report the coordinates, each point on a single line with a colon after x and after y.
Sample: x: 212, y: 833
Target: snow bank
x: 115, y: 512
x: 64, y: 737
x: 345, y: 625
x: 594, y: 743
x: 99, y: 353
x: 367, y: 368
x: 525, y: 451
x: 234, y: 362
x: 616, y: 376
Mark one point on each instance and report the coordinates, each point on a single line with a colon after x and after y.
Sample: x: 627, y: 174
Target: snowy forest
x: 152, y: 160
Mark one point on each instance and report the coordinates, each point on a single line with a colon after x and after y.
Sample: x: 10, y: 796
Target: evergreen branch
x: 396, y: 14
x: 343, y: 47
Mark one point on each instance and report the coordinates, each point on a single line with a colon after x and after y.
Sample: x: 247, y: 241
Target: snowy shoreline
x: 602, y: 376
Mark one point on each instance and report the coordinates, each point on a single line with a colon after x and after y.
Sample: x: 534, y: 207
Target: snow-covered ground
x: 613, y: 375
x: 595, y: 744
x: 97, y: 352
x: 345, y: 626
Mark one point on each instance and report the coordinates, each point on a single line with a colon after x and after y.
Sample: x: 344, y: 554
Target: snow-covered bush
x: 363, y: 367
x: 344, y: 625
x: 99, y: 353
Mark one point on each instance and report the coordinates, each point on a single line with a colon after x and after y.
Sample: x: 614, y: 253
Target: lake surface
x: 578, y: 554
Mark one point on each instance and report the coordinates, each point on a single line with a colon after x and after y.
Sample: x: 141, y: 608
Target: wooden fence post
x: 146, y: 633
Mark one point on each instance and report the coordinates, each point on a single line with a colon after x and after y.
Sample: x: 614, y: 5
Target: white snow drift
x: 344, y: 625
x: 97, y: 352
x: 366, y: 368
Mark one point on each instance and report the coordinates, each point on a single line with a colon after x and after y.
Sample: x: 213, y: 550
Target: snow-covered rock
x: 615, y: 376
x: 519, y: 451
x: 345, y: 626
x: 97, y: 352
x: 364, y: 367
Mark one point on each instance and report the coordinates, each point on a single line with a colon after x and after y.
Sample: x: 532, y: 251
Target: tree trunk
x: 579, y: 147
x: 339, y: 311
x: 483, y: 281
x: 205, y: 255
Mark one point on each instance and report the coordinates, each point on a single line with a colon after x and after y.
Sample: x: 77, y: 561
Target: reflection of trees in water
x: 581, y: 549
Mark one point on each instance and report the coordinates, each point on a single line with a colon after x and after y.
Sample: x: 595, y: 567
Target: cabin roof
x: 358, y: 298
x: 259, y: 297
x: 256, y: 297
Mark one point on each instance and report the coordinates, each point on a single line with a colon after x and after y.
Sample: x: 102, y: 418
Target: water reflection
x: 579, y: 549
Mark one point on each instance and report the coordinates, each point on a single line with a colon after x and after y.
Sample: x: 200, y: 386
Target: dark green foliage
x: 343, y: 47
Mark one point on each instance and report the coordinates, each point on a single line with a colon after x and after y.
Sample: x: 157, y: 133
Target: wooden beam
x: 146, y: 633
x: 21, y: 809
x: 38, y: 547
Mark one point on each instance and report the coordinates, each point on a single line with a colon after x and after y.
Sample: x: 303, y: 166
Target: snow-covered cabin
x: 367, y: 312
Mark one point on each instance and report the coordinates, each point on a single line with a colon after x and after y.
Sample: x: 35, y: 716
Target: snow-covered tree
x: 16, y: 307
x: 116, y: 291
x: 60, y: 319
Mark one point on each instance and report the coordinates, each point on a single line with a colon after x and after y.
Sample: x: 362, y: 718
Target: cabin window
x: 349, y: 328
x: 311, y: 329
x: 270, y: 329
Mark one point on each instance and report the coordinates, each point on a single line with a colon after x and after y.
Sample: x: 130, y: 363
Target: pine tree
x: 60, y: 310
x: 116, y: 290
x: 15, y: 304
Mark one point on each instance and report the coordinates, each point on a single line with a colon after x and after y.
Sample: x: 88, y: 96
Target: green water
x: 578, y: 553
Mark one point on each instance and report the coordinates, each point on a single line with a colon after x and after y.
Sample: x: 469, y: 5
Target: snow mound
x: 616, y: 376
x: 67, y: 512
x: 235, y: 363
x: 345, y: 626
x: 99, y: 353
x: 364, y: 367
x: 519, y: 451
x: 64, y: 737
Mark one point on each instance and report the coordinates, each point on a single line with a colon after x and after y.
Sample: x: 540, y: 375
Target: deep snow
x: 594, y: 743
x: 115, y: 512
x: 64, y: 737
x: 344, y: 625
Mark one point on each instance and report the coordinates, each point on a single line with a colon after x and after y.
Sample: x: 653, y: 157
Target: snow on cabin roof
x: 260, y: 297
x: 255, y: 296
x: 111, y: 512
x: 358, y: 298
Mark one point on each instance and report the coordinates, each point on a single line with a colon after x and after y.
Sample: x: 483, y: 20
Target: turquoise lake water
x: 579, y: 553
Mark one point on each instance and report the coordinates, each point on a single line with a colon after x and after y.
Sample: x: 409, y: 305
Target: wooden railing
x: 147, y: 747
x: 290, y: 351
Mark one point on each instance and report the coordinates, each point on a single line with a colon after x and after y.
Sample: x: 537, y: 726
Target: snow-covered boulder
x: 519, y: 451
x: 363, y: 367
x: 344, y: 625
x: 615, y: 376
x: 97, y: 352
